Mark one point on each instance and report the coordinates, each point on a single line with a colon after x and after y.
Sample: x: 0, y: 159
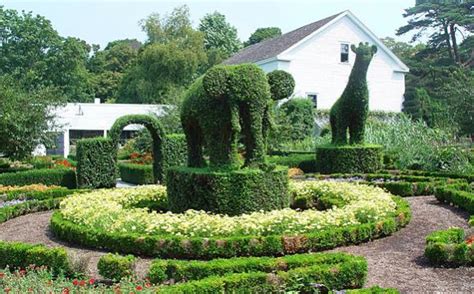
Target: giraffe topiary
x: 351, y: 109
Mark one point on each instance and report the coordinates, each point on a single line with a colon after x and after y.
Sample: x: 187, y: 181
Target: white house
x: 318, y: 56
x: 83, y: 120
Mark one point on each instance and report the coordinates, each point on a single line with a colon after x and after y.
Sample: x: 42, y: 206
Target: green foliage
x: 298, y: 115
x: 209, y: 123
x: 350, y: 111
x: 349, y: 159
x: 9, y: 212
x: 334, y: 270
x: 57, y: 177
x: 156, y: 131
x: 207, y: 248
x: 116, y: 267
x: 108, y: 67
x: 24, y: 117
x: 22, y: 255
x: 262, y: 34
x: 96, y: 163
x: 169, y: 61
x: 416, y: 104
x: 413, y: 145
x: 227, y: 192
x: 139, y: 174
x: 448, y: 248
x: 33, y: 52
x: 459, y: 195
x: 281, y: 84
x: 219, y: 34
x: 304, y: 161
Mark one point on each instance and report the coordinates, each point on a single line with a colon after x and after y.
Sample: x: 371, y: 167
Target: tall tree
x: 31, y: 50
x: 219, y: 35
x: 444, y: 21
x: 262, y: 34
x: 170, y: 59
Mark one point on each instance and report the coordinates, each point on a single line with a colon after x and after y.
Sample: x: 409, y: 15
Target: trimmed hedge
x: 448, y: 248
x: 116, y: 267
x: 96, y: 158
x: 139, y: 174
x: 207, y: 248
x: 304, y: 161
x: 22, y: 255
x: 461, y: 195
x: 298, y: 273
x: 174, y: 151
x: 349, y: 159
x: 162, y: 270
x: 57, y: 177
x: 227, y: 192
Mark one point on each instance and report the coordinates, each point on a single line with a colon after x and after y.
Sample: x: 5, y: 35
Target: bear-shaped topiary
x: 351, y: 109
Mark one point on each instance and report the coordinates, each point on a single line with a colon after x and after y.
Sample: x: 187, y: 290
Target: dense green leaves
x: 219, y: 34
x: 261, y: 34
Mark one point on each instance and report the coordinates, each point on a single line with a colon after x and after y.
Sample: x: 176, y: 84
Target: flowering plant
x: 115, y: 211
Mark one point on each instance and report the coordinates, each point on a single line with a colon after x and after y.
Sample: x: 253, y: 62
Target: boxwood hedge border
x: 207, y: 248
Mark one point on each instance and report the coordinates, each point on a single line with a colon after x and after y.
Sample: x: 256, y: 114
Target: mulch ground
x: 396, y: 261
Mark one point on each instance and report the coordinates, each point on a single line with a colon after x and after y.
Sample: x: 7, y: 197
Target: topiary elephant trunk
x: 351, y: 109
x: 227, y: 104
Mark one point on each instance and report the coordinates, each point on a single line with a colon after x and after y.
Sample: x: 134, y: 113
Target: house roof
x: 279, y: 46
x: 272, y: 47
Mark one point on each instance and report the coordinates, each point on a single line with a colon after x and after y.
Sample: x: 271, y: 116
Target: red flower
x: 75, y: 282
x: 7, y: 290
x: 470, y: 240
x: 82, y: 283
x: 139, y: 288
x: 91, y: 281
x: 2, y: 275
x: 22, y: 272
x: 65, y: 291
x: 148, y: 285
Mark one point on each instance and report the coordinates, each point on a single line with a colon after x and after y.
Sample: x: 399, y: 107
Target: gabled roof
x: 272, y: 47
x: 276, y: 48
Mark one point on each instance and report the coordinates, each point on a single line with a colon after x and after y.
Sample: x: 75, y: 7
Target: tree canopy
x: 219, y: 34
x: 262, y: 34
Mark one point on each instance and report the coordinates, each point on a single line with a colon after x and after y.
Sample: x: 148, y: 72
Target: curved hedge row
x: 57, y: 176
x: 263, y: 275
x: 206, y: 248
x: 449, y: 247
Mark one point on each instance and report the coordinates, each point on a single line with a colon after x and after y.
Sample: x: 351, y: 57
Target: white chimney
x: 97, y: 101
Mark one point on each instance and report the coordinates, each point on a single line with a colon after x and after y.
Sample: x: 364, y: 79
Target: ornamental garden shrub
x: 96, y: 163
x: 116, y: 267
x: 58, y: 176
x: 227, y: 104
x: 348, y: 115
x: 139, y: 174
x: 449, y: 248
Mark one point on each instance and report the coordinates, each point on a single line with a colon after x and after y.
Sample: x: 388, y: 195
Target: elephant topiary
x: 351, y: 109
x: 227, y: 104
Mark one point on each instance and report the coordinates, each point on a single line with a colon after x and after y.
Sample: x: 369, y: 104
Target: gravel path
x: 396, y: 261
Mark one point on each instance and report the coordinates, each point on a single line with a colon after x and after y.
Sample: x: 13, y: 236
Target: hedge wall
x: 207, y: 248
x: 349, y: 159
x: 175, y: 152
x: 449, y: 248
x: 304, y: 161
x: 139, y: 174
x: 57, y: 177
x: 227, y: 192
x: 21, y: 255
x: 299, y: 273
x: 116, y: 267
x: 96, y: 158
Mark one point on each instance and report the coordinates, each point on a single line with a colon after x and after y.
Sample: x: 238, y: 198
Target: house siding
x: 315, y: 65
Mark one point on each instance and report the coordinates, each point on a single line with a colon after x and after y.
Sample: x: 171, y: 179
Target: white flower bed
x: 112, y: 211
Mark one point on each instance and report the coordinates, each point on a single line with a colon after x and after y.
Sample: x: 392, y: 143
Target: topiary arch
x: 157, y: 134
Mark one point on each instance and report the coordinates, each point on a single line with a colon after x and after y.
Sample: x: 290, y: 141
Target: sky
x: 102, y: 21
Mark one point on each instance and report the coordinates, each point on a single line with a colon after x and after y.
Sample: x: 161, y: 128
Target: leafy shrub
x: 281, y: 84
x: 96, y: 163
x: 116, y: 267
x: 297, y: 272
x: 22, y: 255
x: 304, y: 161
x: 349, y: 159
x: 449, y: 248
x: 413, y: 144
x: 227, y: 192
x: 139, y: 174
x: 59, y: 177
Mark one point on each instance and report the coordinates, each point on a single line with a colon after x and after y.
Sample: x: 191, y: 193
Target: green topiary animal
x: 227, y: 104
x: 351, y: 109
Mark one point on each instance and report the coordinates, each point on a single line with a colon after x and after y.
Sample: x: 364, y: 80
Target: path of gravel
x: 396, y: 261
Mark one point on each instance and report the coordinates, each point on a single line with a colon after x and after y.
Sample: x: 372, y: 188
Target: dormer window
x: 344, y: 53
